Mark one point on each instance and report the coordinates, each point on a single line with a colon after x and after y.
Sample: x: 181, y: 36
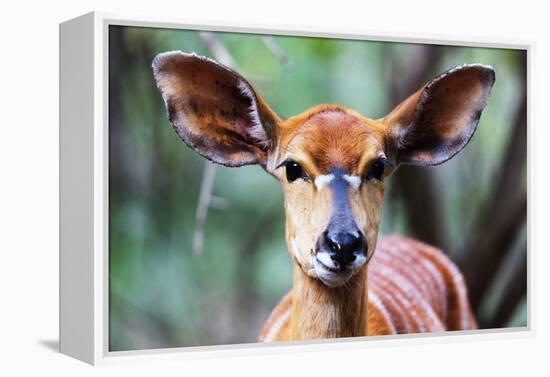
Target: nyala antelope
x: 332, y: 163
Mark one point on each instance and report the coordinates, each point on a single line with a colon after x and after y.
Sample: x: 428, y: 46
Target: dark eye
x: 377, y: 168
x: 294, y: 171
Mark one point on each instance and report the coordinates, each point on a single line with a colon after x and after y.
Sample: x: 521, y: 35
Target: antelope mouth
x: 334, y: 270
x: 331, y: 277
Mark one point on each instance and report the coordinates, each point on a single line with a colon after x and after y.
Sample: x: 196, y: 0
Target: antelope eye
x: 377, y: 168
x: 294, y: 171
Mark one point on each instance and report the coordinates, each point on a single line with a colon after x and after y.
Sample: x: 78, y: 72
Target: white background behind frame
x: 32, y: 320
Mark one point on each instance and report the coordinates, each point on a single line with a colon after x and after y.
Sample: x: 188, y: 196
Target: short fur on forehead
x: 333, y: 136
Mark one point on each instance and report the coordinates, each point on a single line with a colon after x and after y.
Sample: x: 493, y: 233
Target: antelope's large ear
x: 436, y: 122
x: 214, y: 110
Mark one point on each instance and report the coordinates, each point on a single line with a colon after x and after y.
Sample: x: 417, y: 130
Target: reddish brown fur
x: 332, y: 135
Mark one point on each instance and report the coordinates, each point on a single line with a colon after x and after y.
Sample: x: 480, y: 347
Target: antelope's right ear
x: 214, y: 110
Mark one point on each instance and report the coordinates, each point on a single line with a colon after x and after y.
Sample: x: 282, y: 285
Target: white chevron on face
x: 353, y: 180
x: 323, y: 180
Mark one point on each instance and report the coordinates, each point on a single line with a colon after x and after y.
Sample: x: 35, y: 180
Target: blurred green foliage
x: 160, y: 294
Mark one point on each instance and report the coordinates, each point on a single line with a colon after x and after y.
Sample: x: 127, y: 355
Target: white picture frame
x: 84, y: 192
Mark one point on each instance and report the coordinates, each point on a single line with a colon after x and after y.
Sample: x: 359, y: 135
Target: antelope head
x: 331, y: 161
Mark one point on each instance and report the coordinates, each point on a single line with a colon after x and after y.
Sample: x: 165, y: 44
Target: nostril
x: 348, y: 241
x: 355, y: 241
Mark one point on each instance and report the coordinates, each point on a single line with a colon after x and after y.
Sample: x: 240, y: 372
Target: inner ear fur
x: 214, y: 110
x: 436, y: 122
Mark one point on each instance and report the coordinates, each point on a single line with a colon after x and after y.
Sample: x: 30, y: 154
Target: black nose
x: 343, y: 247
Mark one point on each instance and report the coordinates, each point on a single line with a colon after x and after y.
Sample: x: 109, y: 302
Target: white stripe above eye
x: 353, y: 180
x: 323, y: 180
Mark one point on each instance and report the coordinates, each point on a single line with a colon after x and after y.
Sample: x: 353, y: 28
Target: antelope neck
x: 322, y: 312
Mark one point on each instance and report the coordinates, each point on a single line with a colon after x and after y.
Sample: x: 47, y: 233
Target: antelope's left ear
x: 436, y: 122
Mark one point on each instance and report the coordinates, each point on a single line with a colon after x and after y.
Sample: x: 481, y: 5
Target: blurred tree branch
x: 517, y: 291
x: 515, y: 288
x: 222, y: 55
x: 205, y: 197
x: 500, y: 220
x: 217, y: 49
x: 277, y: 51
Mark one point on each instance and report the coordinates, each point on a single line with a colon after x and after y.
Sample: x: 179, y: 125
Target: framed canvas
x: 227, y: 189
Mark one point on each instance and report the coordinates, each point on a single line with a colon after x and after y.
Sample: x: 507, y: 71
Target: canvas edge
x: 76, y: 188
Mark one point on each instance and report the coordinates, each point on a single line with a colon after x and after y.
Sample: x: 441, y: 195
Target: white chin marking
x: 353, y: 180
x: 323, y: 180
x: 329, y: 278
